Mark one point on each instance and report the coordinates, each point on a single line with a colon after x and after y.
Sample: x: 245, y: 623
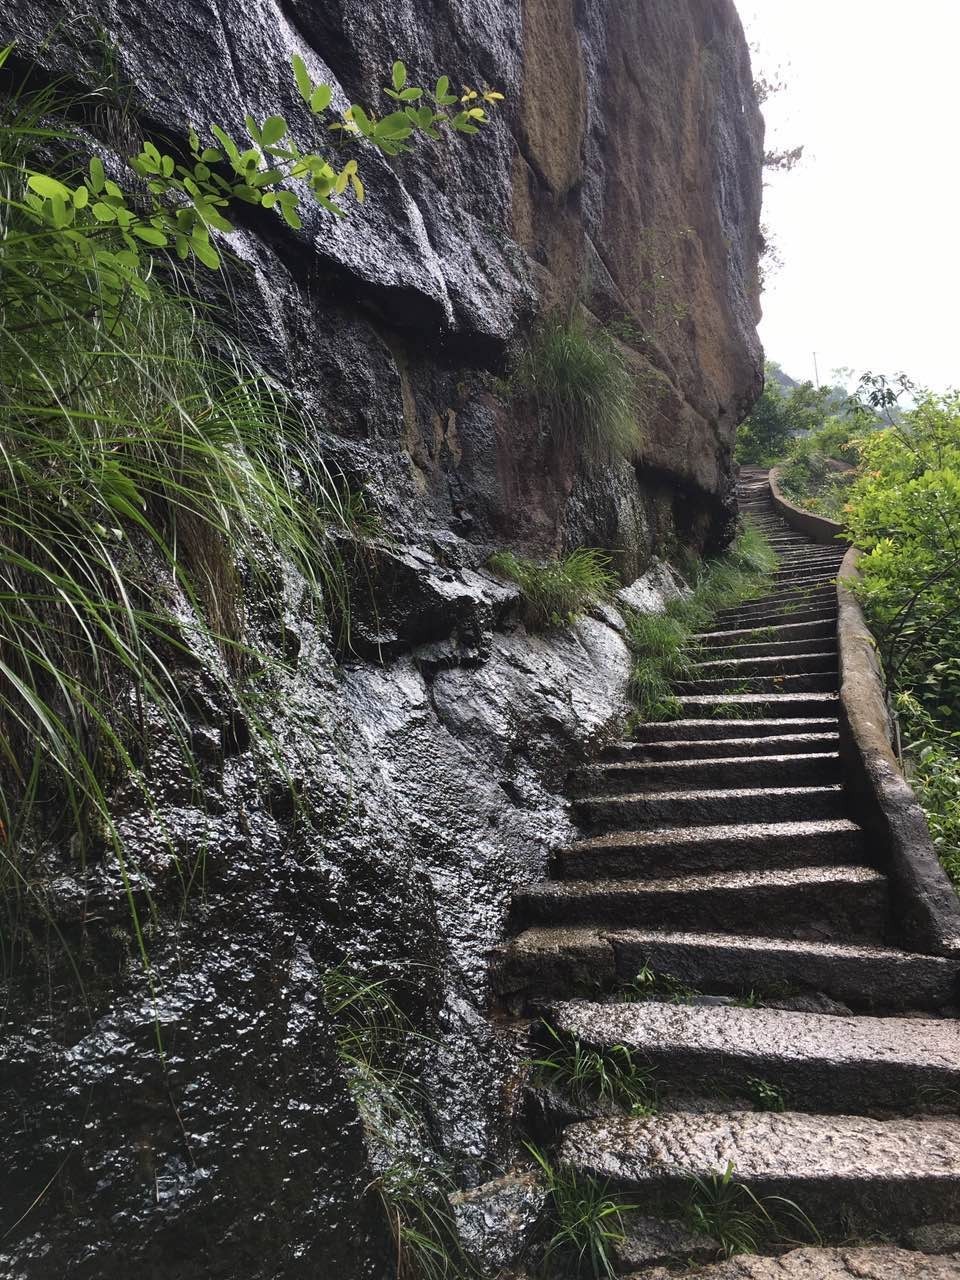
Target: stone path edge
x: 886, y: 804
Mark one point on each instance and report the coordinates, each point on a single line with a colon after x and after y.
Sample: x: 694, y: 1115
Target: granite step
x: 746, y: 846
x: 805, y: 682
x: 632, y: 776
x: 841, y: 903
x: 767, y: 664
x: 847, y: 1173
x: 766, y: 649
x: 775, y: 744
x: 722, y: 637
x: 816, y: 1061
x: 544, y: 963
x: 690, y: 730
x: 848, y: 1262
x: 711, y: 807
x: 757, y: 706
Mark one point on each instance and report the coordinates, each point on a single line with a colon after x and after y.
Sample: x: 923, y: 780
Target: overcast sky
x: 868, y: 225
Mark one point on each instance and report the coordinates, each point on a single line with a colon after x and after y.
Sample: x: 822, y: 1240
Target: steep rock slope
x: 624, y: 170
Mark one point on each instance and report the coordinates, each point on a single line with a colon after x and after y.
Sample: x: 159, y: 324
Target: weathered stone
x: 936, y: 1237
x: 828, y: 1264
x: 496, y: 1222
x: 819, y: 1061
x: 838, y: 1169
x: 649, y: 1241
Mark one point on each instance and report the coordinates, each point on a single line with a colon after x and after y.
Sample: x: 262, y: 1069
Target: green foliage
x: 584, y: 392
x: 557, y: 592
x: 661, y: 644
x: 609, y: 1076
x: 587, y: 1224
x: 807, y: 477
x: 779, y: 415
x: 766, y: 1096
x: 933, y: 765
x: 741, y: 1222
x: 173, y: 205
x: 377, y: 1046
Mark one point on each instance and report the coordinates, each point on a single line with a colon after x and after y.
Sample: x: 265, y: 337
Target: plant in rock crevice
x: 380, y: 1051
x: 585, y: 1223
x: 555, y: 593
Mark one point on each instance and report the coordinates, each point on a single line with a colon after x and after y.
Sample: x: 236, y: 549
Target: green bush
x: 556, y: 592
x: 779, y: 416
x: 904, y: 512
x: 807, y: 477
x: 584, y: 392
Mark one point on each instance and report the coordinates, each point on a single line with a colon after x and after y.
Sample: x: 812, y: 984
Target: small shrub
x: 766, y: 1096
x: 555, y: 593
x: 584, y: 392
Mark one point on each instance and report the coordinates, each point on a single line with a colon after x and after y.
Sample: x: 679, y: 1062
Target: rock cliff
x: 623, y: 172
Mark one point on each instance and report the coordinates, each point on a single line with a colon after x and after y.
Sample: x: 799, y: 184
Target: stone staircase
x: 720, y: 854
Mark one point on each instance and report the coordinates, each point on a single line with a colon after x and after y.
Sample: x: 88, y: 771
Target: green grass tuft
x: 609, y: 1076
x: 584, y: 391
x: 586, y: 1223
x: 555, y: 593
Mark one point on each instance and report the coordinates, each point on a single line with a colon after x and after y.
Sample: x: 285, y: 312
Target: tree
x: 780, y: 415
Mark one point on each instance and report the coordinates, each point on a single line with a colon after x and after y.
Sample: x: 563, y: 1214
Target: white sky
x: 868, y: 224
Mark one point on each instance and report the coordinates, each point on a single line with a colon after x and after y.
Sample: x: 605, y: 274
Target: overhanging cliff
x: 623, y: 174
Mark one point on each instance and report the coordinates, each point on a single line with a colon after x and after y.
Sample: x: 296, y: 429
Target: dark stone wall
x: 623, y: 170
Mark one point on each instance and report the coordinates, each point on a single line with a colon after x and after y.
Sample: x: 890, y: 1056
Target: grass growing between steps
x: 661, y: 643
x: 610, y: 1077
x: 586, y: 1224
x: 377, y: 1047
x: 727, y: 1211
x: 555, y: 593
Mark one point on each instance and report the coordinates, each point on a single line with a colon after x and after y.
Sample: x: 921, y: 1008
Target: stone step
x: 811, y: 1262
x: 716, y: 727
x: 709, y: 807
x: 629, y: 777
x: 774, y: 744
x: 722, y: 964
x: 816, y: 1061
x: 825, y: 611
x: 676, y: 851
x: 757, y: 706
x: 768, y: 649
x: 821, y: 603
x: 786, y: 595
x: 835, y: 903
x: 767, y: 664
x: 545, y: 963
x: 806, y: 682
x: 781, y: 633
x: 847, y: 1173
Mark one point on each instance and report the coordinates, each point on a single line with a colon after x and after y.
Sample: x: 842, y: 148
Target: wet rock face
x: 415, y: 781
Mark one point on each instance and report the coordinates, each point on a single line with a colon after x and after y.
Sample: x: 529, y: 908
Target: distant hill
x: 777, y: 375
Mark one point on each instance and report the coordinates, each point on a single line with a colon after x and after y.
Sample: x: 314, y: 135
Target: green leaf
x: 209, y: 155
x: 206, y: 253
x: 321, y: 98
x: 291, y: 216
x: 399, y: 76
x: 97, y: 176
x: 443, y: 88
x: 48, y: 187
x: 228, y: 144
x: 150, y: 236
x: 103, y: 212
x: 81, y: 198
x: 411, y: 95
x: 274, y: 128
x: 302, y: 75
